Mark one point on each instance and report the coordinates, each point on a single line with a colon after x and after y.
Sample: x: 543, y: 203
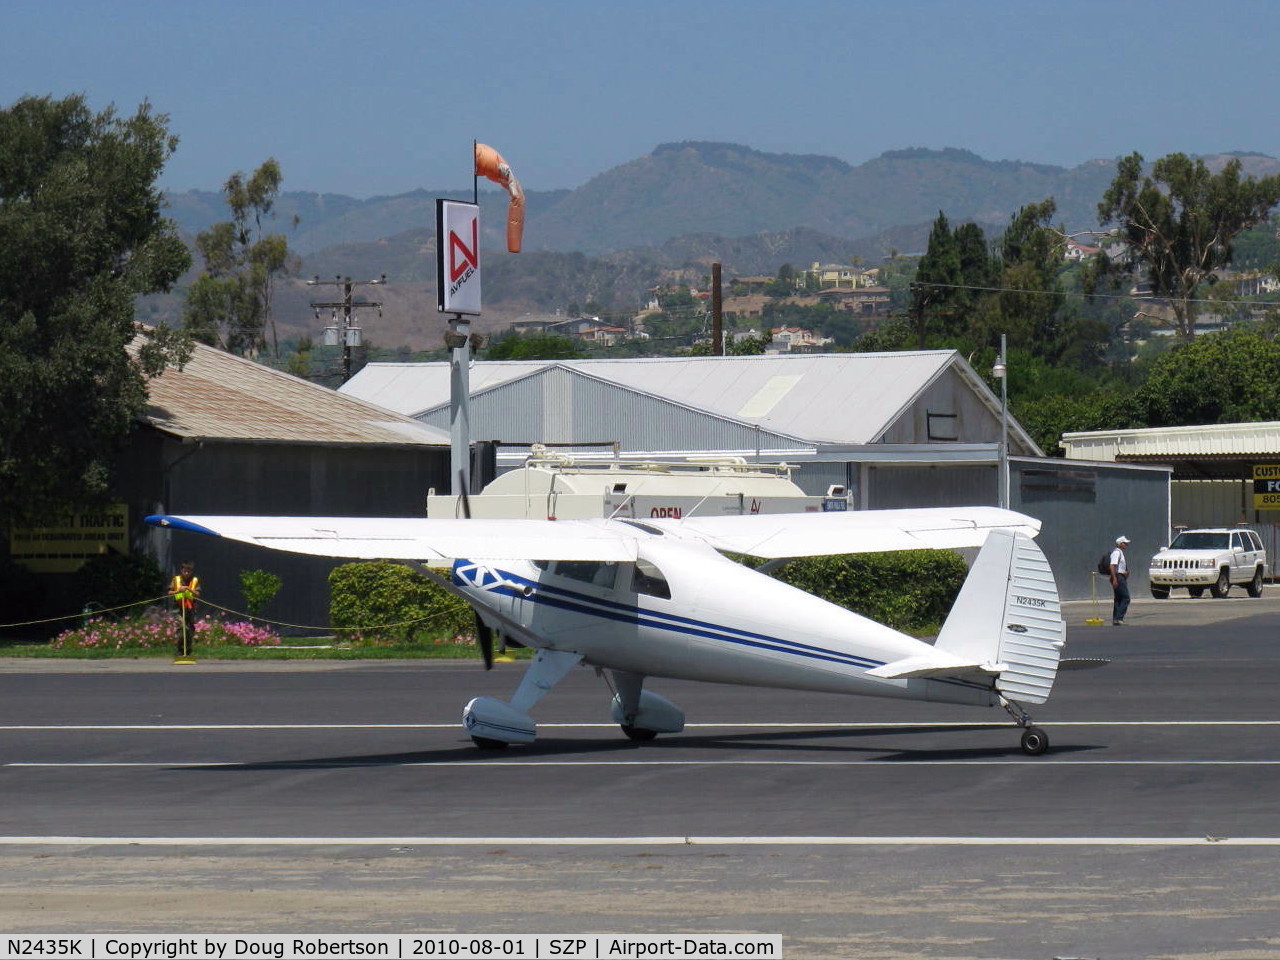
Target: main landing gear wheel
x: 639, y: 734
x: 488, y: 743
x: 1034, y: 741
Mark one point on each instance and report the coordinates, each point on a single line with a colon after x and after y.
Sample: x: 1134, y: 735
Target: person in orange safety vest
x: 184, y: 589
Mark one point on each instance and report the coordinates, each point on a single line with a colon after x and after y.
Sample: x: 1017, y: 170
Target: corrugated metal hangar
x: 916, y: 428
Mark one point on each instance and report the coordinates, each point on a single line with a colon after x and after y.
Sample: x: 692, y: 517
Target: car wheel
x: 1255, y: 585
x: 1160, y: 593
x: 1222, y: 586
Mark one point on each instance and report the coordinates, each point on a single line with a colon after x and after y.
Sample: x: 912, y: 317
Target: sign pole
x: 459, y: 407
x: 458, y: 283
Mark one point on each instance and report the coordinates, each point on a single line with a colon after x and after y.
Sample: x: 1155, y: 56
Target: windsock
x: 489, y: 164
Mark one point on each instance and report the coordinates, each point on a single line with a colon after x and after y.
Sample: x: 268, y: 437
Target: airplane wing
x: 768, y: 536
x: 784, y: 535
x: 417, y: 538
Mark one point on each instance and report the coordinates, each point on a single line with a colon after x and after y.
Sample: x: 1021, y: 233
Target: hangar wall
x: 558, y: 406
x: 270, y: 480
x: 1083, y: 506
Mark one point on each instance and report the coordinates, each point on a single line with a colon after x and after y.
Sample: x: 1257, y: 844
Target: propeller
x: 484, y: 636
x: 484, y: 633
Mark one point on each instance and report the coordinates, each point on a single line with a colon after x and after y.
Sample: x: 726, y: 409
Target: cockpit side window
x: 649, y: 580
x: 596, y: 572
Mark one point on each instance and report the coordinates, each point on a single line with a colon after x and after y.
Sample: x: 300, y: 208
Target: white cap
x: 1122, y: 539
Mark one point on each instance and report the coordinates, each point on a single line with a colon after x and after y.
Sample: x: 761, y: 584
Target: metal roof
x: 823, y: 398
x: 1212, y: 450
x: 1211, y: 440
x: 219, y: 396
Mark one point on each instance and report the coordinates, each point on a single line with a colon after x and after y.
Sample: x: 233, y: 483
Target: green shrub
x: 909, y: 591
x: 258, y: 587
x: 116, y: 579
x: 390, y: 602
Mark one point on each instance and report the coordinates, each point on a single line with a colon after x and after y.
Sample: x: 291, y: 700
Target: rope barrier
x: 237, y: 613
x: 82, y: 613
x: 303, y: 626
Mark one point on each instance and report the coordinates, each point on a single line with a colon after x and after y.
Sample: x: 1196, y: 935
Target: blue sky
x: 382, y: 96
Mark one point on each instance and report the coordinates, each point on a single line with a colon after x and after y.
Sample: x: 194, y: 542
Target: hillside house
x: 587, y: 329
x: 795, y: 340
x: 841, y: 276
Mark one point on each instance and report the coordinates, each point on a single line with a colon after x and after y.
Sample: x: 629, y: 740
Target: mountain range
x: 675, y: 209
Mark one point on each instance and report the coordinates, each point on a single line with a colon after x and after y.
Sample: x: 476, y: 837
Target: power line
x: 1067, y: 293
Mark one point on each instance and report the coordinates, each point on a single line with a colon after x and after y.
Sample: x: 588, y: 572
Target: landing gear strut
x: 1034, y: 740
x: 641, y: 713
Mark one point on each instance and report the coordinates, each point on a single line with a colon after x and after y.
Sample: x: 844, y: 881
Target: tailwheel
x: 1034, y: 741
x: 639, y: 734
x: 488, y: 743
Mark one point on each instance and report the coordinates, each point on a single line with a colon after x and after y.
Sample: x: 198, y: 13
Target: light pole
x: 1001, y: 371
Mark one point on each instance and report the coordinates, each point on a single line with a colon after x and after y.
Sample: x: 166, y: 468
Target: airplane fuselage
x: 684, y: 611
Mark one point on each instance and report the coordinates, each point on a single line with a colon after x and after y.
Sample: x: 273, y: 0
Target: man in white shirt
x: 1119, y: 581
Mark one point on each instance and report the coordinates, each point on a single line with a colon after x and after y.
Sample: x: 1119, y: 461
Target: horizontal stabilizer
x: 937, y: 664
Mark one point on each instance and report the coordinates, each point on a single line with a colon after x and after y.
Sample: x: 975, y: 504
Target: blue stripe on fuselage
x: 564, y: 599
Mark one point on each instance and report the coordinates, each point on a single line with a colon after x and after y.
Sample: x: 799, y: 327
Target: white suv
x: 1214, y: 558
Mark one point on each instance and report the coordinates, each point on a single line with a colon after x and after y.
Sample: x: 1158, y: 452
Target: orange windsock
x: 489, y: 164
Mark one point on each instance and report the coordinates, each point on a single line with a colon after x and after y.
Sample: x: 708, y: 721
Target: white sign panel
x: 458, y: 256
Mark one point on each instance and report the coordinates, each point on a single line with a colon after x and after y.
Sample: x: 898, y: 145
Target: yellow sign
x: 65, y: 545
x: 1266, y: 487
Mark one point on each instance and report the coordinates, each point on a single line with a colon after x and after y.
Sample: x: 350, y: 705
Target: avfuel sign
x: 458, y: 257
x: 1266, y: 487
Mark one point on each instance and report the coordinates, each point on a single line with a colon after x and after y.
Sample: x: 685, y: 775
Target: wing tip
x: 177, y: 523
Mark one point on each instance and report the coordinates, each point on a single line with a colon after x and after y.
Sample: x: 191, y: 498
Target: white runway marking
x: 595, y: 762
x: 816, y: 726
x: 412, y: 841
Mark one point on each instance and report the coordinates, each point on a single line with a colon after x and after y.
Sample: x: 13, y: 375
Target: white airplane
x: 658, y: 598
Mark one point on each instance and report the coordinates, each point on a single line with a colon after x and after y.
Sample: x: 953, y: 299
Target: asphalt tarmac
x: 137, y: 796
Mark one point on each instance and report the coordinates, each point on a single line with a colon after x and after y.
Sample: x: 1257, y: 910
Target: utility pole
x: 717, y: 312
x: 348, y: 334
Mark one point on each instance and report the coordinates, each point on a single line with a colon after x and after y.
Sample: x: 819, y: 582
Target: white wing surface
x: 418, y: 538
x: 781, y: 535
x: 768, y: 536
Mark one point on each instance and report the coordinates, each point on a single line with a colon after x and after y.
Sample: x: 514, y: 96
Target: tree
x: 952, y: 294
x: 81, y: 236
x: 532, y: 346
x: 1031, y: 299
x: 1179, y: 222
x: 1225, y: 377
x: 784, y: 284
x: 937, y: 279
x: 229, y: 304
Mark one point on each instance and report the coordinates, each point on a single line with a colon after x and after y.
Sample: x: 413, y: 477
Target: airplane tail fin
x: 1008, y: 618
